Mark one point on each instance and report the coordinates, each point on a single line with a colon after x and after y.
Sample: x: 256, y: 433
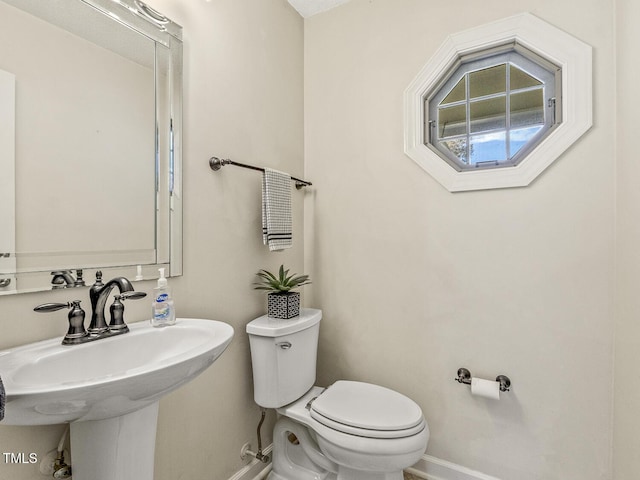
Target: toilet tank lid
x: 266, y: 326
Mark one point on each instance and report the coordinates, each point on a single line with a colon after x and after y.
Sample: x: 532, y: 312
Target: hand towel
x: 2, y: 399
x: 276, y: 210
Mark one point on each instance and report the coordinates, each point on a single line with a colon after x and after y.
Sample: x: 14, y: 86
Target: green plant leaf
x: 283, y: 282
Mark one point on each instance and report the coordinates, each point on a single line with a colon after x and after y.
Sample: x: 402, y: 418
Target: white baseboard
x: 263, y: 474
x: 432, y: 468
x: 255, y: 470
x: 428, y: 468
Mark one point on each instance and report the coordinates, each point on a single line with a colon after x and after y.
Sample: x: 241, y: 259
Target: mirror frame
x: 150, y: 23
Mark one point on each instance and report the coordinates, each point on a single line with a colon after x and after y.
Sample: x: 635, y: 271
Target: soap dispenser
x: 163, y: 312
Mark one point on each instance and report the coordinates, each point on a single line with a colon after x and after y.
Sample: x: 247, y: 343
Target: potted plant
x: 282, y: 302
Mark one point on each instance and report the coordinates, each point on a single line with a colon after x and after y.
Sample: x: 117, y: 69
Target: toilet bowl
x: 378, y: 442
x: 348, y: 431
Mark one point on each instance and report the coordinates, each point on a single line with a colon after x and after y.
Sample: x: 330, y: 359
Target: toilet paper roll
x: 485, y: 388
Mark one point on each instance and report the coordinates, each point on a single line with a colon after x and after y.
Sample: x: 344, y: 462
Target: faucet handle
x: 117, y: 324
x: 52, y: 307
x: 132, y: 295
x: 76, y: 331
x: 79, y: 280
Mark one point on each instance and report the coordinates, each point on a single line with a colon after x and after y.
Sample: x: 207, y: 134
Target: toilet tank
x: 283, y: 356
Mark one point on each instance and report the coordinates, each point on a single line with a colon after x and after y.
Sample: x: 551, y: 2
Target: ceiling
x: 307, y: 8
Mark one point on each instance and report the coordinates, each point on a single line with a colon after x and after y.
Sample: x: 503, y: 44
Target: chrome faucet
x: 99, y: 293
x: 64, y: 279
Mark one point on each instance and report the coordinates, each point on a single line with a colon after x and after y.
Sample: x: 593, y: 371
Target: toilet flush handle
x: 284, y: 345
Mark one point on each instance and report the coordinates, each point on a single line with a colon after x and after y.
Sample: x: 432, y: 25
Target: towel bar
x: 217, y: 163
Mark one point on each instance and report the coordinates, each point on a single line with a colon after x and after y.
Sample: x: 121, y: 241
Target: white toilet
x: 348, y: 431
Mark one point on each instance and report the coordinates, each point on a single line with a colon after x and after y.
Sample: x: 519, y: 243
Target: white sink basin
x: 48, y: 383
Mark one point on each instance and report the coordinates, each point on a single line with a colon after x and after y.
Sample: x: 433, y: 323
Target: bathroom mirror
x: 90, y: 149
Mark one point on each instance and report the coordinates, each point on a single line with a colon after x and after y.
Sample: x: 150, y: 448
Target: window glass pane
x: 490, y: 111
x: 457, y: 93
x: 452, y: 121
x: 457, y: 146
x: 488, y: 147
x: 520, y: 137
x: 488, y: 114
x: 521, y: 79
x: 527, y: 108
x: 488, y: 81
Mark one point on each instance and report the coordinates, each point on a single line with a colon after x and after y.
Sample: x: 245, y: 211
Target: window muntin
x: 493, y: 109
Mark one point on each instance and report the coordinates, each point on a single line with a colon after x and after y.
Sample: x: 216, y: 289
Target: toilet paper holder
x: 464, y: 376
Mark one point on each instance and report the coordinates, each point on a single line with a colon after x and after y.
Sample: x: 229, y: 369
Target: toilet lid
x: 367, y: 410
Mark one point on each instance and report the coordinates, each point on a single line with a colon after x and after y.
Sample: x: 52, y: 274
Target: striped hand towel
x: 276, y: 210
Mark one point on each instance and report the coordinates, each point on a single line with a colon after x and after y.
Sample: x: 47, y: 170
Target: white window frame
x: 573, y: 56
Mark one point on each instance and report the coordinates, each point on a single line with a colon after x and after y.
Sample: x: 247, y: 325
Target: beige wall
x: 243, y: 100
x: 416, y: 282
x: 626, y: 445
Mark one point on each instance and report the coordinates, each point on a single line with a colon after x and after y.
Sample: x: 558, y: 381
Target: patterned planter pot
x: 283, y: 305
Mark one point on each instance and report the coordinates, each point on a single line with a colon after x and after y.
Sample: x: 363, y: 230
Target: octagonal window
x: 492, y: 108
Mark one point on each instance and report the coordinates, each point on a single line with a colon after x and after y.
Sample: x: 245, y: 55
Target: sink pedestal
x: 118, y: 448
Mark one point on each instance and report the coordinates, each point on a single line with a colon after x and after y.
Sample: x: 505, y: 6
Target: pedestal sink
x: 108, y: 390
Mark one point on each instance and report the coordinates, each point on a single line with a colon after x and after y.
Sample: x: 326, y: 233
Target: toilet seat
x: 367, y: 410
